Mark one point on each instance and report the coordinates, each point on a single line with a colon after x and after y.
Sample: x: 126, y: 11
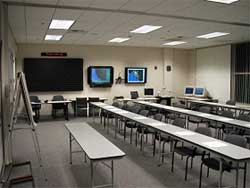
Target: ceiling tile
x: 80, y: 3
x: 108, y: 4
x: 67, y: 14
x: 141, y: 5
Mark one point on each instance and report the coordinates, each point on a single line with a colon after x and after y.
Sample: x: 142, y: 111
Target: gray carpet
x: 134, y: 170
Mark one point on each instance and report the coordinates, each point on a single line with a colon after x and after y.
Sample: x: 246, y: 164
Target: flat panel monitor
x: 200, y: 92
x: 148, y: 91
x: 54, y: 74
x: 189, y: 91
x: 100, y: 76
x: 135, y: 75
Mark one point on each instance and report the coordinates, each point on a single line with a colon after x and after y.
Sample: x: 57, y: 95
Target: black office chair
x: 56, y: 107
x: 36, y: 107
x: 92, y: 109
x: 244, y: 132
x: 134, y: 94
x: 179, y: 122
x: 131, y: 124
x: 189, y: 151
x: 214, y: 163
x: 81, y: 104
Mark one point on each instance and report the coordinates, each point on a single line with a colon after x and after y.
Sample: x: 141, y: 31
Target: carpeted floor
x: 134, y: 170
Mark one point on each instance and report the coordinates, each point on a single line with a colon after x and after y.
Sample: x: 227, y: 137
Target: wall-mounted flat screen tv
x: 100, y: 76
x: 54, y: 74
x: 135, y: 75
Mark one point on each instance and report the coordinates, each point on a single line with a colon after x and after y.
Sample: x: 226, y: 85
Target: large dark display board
x: 54, y: 74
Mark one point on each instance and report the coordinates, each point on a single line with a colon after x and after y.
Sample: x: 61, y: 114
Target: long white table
x: 216, y: 118
x: 222, y: 105
x: 218, y: 147
x: 138, y: 99
x: 94, y: 145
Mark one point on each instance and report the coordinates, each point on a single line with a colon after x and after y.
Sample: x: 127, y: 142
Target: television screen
x: 189, y: 91
x: 54, y: 74
x: 148, y: 91
x: 135, y: 75
x: 100, y: 76
x: 199, y: 91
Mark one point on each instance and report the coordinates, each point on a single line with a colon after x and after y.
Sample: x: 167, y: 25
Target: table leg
x: 237, y: 175
x: 107, y: 123
x: 92, y: 173
x: 186, y: 118
x: 112, y: 173
x: 70, y: 148
x: 142, y: 140
x: 221, y: 173
x: 159, y: 149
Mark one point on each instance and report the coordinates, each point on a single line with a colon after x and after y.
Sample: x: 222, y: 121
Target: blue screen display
x: 136, y: 75
x: 199, y: 91
x: 100, y: 75
x: 189, y: 90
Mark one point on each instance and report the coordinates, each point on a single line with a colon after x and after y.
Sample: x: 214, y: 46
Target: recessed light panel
x: 146, y: 29
x: 174, y: 43
x: 223, y: 1
x: 61, y: 24
x: 119, y: 39
x: 53, y: 37
x: 212, y: 35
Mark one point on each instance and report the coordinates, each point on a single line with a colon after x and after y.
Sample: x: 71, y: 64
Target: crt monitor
x: 200, y: 92
x: 189, y: 91
x: 148, y: 91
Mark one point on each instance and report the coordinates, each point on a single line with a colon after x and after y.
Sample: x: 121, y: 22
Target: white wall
x: 213, y: 71
x: 119, y: 58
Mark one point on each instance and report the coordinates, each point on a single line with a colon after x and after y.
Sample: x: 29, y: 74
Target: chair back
x: 179, y: 122
x: 116, y: 104
x: 179, y: 105
x: 231, y: 102
x: 227, y: 113
x: 144, y: 112
x: 164, y: 102
x: 158, y: 117
x: 244, y: 117
x: 205, y: 109
x: 34, y: 99
x: 94, y: 99
x: 204, y: 130
x: 81, y: 102
x: 135, y: 109
x: 58, y: 98
x: 236, y: 140
x: 134, y: 94
x: 117, y: 97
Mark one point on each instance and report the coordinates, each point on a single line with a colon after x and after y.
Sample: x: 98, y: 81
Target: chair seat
x: 164, y: 138
x: 187, y: 151
x: 130, y: 124
x: 194, y: 119
x: 146, y: 131
x: 214, y: 164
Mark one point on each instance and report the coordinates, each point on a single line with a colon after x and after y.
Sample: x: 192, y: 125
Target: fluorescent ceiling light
x: 119, y: 39
x: 173, y: 43
x: 146, y: 29
x: 212, y: 35
x: 224, y: 1
x: 53, y: 37
x: 61, y: 24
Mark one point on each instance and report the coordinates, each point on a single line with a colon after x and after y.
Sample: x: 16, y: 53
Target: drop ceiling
x: 98, y: 21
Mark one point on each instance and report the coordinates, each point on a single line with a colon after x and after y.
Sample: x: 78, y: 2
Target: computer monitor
x: 134, y: 94
x: 200, y: 92
x: 189, y: 91
x: 148, y: 91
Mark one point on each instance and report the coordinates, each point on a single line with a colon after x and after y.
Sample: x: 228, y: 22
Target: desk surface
x: 214, y: 145
x: 222, y: 105
x: 194, y: 98
x: 52, y: 102
x: 139, y: 99
x: 234, y: 122
x: 95, y: 145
